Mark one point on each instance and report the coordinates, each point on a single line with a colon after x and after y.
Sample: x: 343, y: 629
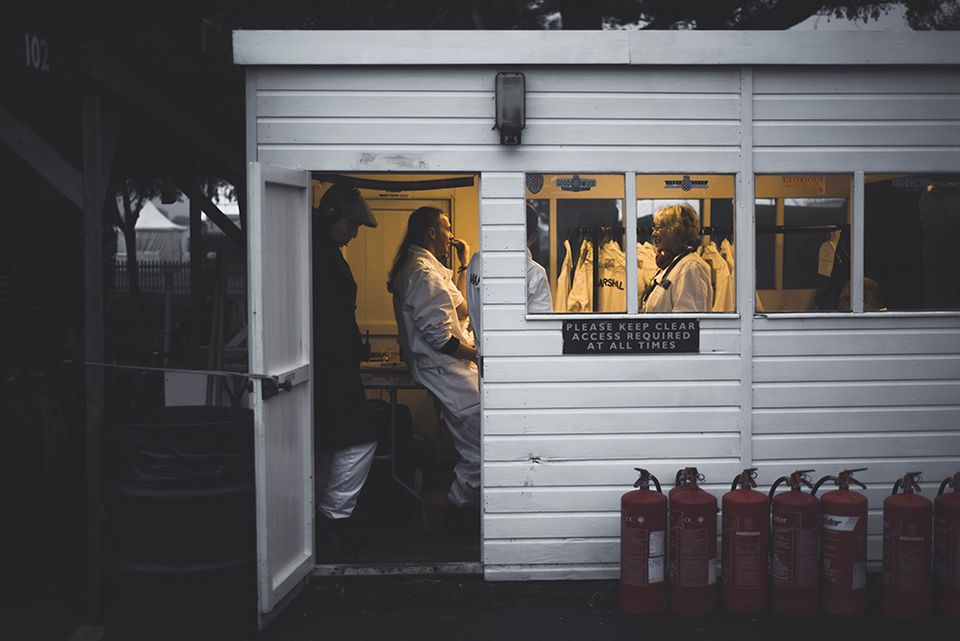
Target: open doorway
x: 401, y: 516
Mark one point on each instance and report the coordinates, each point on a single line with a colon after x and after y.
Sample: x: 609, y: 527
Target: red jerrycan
x: 746, y: 541
x: 643, y: 530
x: 795, y: 547
x: 907, y: 541
x: 843, y: 546
x: 946, y: 546
x: 693, y: 547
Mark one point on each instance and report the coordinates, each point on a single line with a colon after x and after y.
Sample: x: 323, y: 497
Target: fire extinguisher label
x: 641, y: 556
x: 837, y: 523
x: 655, y: 569
x: 657, y: 539
x: 794, y: 559
x: 946, y: 550
x: 711, y: 571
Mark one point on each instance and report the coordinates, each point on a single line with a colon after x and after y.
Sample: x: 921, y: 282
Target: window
x: 711, y: 199
x: 803, y: 242
x: 575, y: 233
x: 911, y: 224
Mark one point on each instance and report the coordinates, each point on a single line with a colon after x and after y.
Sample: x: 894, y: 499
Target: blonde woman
x: 683, y: 282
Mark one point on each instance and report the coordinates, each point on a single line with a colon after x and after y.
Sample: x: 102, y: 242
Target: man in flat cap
x: 345, y: 437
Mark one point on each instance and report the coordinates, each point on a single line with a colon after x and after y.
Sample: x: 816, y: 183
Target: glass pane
x: 693, y: 258
x: 568, y: 215
x: 803, y: 242
x: 911, y: 223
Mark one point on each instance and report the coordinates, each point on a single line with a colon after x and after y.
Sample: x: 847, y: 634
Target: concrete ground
x: 467, y: 608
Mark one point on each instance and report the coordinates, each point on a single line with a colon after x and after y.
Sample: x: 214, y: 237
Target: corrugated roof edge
x: 415, y: 48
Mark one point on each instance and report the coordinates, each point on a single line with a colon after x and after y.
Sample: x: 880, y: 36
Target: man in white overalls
x: 431, y: 317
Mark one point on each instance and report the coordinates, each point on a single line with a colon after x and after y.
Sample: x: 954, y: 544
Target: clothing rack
x: 725, y: 230
x: 597, y: 233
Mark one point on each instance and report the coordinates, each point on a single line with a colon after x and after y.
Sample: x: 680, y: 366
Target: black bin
x: 180, y: 512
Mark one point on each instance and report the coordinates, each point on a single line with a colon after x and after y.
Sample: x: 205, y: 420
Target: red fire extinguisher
x: 946, y: 551
x: 843, y: 543
x: 643, y: 530
x: 693, y: 547
x: 795, y: 523
x: 746, y: 534
x: 907, y: 524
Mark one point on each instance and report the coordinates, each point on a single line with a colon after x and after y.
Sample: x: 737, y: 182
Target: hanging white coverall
x: 563, y: 280
x: 581, y: 291
x: 611, y: 290
x: 720, y: 277
x: 686, y: 288
x: 425, y: 302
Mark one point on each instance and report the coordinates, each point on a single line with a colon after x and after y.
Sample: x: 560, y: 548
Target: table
x: 392, y: 379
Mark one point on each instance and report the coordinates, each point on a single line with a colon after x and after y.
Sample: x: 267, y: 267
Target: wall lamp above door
x: 511, y: 106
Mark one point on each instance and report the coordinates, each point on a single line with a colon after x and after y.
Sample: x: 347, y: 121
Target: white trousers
x: 457, y: 388
x: 339, y: 476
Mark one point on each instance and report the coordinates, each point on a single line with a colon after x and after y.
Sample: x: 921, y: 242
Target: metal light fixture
x: 511, y: 106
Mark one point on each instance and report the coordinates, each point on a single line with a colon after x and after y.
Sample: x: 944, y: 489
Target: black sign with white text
x: 631, y: 336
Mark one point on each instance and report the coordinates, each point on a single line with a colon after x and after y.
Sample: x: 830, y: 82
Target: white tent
x: 158, y: 238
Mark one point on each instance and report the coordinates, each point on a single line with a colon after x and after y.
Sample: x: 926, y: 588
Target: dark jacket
x: 340, y: 415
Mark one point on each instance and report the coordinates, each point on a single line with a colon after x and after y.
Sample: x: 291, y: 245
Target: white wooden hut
x: 789, y: 121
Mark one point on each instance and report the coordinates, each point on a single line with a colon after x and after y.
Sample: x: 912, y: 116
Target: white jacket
x: 563, y: 280
x: 689, y: 290
x: 538, y: 289
x: 425, y: 301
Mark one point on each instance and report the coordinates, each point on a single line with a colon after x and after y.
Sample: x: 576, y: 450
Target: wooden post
x: 197, y: 252
x: 93, y: 207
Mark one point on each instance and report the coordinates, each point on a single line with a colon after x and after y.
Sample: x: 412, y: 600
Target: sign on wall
x: 631, y: 336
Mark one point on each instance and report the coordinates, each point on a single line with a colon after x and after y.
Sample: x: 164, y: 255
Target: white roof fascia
x: 430, y: 47
x: 412, y: 48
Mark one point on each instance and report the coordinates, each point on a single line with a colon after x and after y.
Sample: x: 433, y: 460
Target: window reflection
x: 702, y: 281
x: 911, y: 224
x: 579, y: 239
x: 802, y: 242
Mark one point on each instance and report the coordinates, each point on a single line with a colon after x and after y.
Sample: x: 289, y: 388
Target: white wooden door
x: 278, y: 241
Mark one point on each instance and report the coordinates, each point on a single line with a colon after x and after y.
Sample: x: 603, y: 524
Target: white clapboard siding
x: 854, y: 419
x: 874, y: 392
x: 477, y: 131
x: 596, y: 107
x: 590, y: 394
x: 625, y: 420
x: 556, y: 572
x: 898, y: 367
x: 854, y: 446
x: 673, y: 367
x: 531, y: 474
x: 927, y: 133
x: 854, y: 107
x: 551, y: 525
x: 553, y: 448
x: 845, y: 119
x: 653, y: 81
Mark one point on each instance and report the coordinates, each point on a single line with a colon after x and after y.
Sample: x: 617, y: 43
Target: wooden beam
x: 111, y: 74
x: 44, y: 159
x: 219, y: 218
x: 196, y: 265
x: 93, y: 207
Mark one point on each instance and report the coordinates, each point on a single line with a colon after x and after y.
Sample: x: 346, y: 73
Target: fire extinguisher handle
x: 776, y: 484
x: 816, y: 486
x: 946, y: 482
